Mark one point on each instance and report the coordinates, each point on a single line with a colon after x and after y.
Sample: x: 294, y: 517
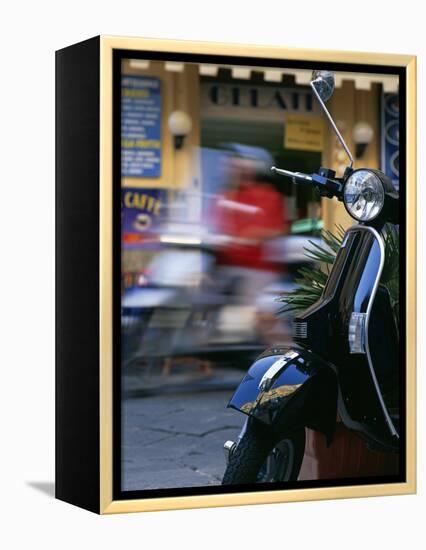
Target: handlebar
x: 305, y: 178
x: 325, y: 181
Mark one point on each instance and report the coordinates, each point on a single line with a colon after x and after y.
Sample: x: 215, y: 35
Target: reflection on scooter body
x: 345, y: 360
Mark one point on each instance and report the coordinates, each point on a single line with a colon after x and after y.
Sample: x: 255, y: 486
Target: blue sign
x: 390, y: 137
x: 140, y: 127
x: 142, y: 211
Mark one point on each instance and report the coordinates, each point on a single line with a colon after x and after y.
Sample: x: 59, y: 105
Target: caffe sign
x: 142, y: 210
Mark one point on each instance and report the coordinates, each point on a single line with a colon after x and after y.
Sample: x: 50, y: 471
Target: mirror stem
x: 333, y: 124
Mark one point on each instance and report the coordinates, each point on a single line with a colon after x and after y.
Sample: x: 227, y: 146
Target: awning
x: 363, y: 81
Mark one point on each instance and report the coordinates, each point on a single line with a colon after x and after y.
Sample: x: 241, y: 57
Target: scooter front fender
x: 289, y: 388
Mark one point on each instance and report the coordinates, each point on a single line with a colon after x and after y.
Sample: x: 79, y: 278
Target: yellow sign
x: 304, y: 133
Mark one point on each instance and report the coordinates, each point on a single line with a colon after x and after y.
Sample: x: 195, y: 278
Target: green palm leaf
x: 312, y: 279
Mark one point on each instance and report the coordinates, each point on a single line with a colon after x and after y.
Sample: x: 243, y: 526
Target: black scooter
x: 345, y: 357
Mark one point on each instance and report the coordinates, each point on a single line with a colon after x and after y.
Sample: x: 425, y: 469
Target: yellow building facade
x: 185, y: 87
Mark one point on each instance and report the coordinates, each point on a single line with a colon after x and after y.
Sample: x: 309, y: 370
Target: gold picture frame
x: 107, y: 46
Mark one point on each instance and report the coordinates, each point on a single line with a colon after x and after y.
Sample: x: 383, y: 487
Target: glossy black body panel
x: 349, y: 288
x: 385, y: 351
x: 304, y: 393
x: 352, y: 287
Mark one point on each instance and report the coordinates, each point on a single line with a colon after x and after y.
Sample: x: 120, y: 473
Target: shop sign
x: 390, y: 137
x: 304, y: 133
x: 140, y: 127
x: 142, y: 210
x: 241, y: 100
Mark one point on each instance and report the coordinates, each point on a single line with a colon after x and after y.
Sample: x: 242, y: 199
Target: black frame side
x: 77, y: 274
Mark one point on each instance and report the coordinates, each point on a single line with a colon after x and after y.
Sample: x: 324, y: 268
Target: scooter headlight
x: 363, y: 195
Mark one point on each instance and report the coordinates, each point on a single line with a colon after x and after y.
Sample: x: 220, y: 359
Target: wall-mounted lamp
x: 362, y: 134
x: 180, y: 125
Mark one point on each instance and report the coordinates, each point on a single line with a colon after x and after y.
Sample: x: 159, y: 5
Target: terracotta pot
x: 347, y: 456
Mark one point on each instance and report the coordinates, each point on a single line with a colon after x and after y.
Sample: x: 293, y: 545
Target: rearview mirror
x: 322, y: 84
x: 323, y: 81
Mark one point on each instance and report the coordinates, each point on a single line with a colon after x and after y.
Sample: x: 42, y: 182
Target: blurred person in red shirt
x: 250, y: 212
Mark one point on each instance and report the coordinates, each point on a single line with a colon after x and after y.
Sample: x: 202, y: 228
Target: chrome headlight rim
x: 376, y: 175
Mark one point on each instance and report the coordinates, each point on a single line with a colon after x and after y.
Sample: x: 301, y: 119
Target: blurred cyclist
x: 250, y: 212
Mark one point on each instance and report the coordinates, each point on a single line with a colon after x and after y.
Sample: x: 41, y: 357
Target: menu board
x: 140, y: 127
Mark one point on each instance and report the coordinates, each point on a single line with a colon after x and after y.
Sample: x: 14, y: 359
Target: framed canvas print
x: 235, y: 245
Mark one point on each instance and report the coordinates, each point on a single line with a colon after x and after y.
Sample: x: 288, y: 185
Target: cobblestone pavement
x: 176, y: 440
